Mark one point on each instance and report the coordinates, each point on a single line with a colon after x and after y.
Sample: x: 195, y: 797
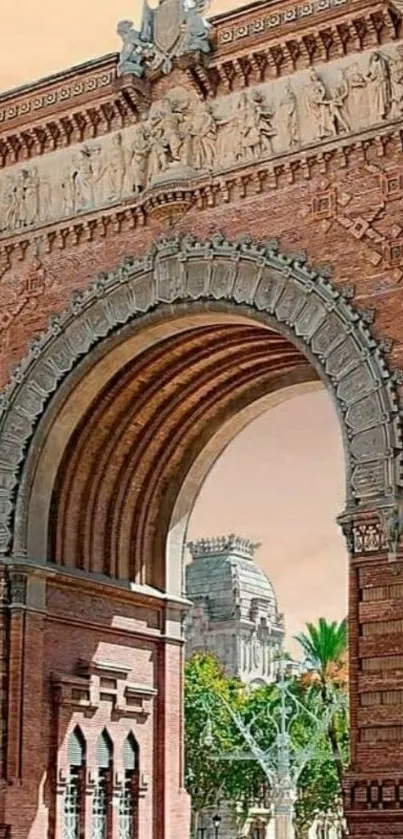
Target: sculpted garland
x: 181, y: 137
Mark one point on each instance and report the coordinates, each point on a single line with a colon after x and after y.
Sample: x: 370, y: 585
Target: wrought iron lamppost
x: 216, y: 823
x: 281, y: 763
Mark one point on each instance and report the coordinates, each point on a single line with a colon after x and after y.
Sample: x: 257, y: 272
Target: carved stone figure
x: 173, y: 28
x: 327, y: 106
x: 117, y: 168
x: 337, y: 101
x: 196, y: 32
x: 380, y: 87
x: 31, y: 195
x: 171, y: 125
x: 263, y: 116
x: 289, y: 117
x: 396, y: 78
x: 248, y: 128
x: 170, y: 136
x: 67, y: 192
x: 229, y: 148
x: 318, y: 103
x: 133, y: 52
x: 13, y: 209
x: 140, y: 153
x: 204, y: 132
x: 158, y: 156
x: 357, y: 103
x: 87, y: 174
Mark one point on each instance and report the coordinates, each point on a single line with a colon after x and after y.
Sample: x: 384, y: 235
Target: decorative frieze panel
x: 374, y: 793
x: 265, y: 24
x: 30, y: 106
x: 369, y: 538
x: 98, y: 682
x: 183, y: 139
x: 299, y: 302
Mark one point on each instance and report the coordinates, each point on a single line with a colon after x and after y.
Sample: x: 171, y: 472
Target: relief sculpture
x: 174, y: 28
x: 184, y: 137
x: 327, y: 106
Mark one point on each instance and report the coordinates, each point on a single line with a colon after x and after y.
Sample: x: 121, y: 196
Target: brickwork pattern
x: 340, y: 205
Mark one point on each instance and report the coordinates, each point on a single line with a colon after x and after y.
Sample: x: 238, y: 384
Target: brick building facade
x: 205, y: 223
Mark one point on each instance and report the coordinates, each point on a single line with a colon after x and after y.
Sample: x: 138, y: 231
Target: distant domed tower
x: 234, y: 614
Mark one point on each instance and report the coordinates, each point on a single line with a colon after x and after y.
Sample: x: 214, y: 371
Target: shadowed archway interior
x: 123, y: 468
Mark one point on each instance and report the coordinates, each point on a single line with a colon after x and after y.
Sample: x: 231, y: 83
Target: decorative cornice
x: 78, y: 115
x: 90, y: 100
x: 219, y: 545
x: 292, y: 20
x: 204, y: 192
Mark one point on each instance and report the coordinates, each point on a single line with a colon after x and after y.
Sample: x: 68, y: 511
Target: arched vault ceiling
x: 142, y: 434
x: 237, y: 321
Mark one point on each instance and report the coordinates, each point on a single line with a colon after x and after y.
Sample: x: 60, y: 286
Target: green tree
x: 211, y: 735
x: 325, y: 648
x: 208, y: 730
x: 319, y: 791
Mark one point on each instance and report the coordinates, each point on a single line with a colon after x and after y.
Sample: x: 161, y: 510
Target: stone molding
x: 91, y: 100
x: 223, y: 545
x: 180, y: 145
x: 257, y: 279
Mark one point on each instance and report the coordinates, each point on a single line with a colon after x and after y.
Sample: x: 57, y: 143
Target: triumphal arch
x: 207, y: 221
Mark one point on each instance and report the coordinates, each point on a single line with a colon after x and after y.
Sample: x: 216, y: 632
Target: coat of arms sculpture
x: 174, y: 28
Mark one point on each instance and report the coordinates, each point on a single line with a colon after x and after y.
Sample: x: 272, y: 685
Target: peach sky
x: 281, y: 483
x: 39, y: 37
x: 281, y: 480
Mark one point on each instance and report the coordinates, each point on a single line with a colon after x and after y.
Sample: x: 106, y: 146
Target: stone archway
x: 264, y: 321
x: 282, y: 290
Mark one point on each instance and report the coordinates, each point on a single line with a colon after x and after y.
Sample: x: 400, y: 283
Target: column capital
x: 376, y: 531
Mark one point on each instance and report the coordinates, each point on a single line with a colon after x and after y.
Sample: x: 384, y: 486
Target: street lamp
x: 282, y: 763
x: 216, y: 823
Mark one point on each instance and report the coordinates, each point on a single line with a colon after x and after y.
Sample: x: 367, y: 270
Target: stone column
x: 373, y: 786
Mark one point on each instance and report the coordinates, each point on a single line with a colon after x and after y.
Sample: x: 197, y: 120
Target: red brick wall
x: 338, y: 209
x: 285, y: 211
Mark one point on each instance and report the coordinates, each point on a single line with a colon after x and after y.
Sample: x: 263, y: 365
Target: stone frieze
x: 183, y: 138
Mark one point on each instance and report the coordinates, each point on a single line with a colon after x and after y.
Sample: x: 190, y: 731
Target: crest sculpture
x: 174, y: 28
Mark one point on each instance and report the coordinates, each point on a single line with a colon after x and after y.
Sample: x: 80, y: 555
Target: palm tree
x: 325, y: 648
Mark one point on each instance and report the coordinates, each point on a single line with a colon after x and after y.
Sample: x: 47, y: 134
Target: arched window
x: 73, y: 809
x: 102, y: 800
x: 129, y: 801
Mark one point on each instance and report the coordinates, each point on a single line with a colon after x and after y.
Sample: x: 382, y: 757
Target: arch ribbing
x: 296, y: 301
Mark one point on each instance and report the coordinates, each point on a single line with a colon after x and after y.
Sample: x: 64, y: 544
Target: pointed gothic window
x: 102, y: 799
x: 73, y: 810
x: 128, y: 808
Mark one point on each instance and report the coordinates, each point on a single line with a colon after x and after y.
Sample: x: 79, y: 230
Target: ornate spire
x: 231, y: 544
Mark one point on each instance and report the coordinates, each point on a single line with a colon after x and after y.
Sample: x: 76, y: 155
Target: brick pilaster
x: 374, y: 784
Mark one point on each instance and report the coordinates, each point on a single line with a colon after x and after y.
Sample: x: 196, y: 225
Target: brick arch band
x: 179, y: 276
